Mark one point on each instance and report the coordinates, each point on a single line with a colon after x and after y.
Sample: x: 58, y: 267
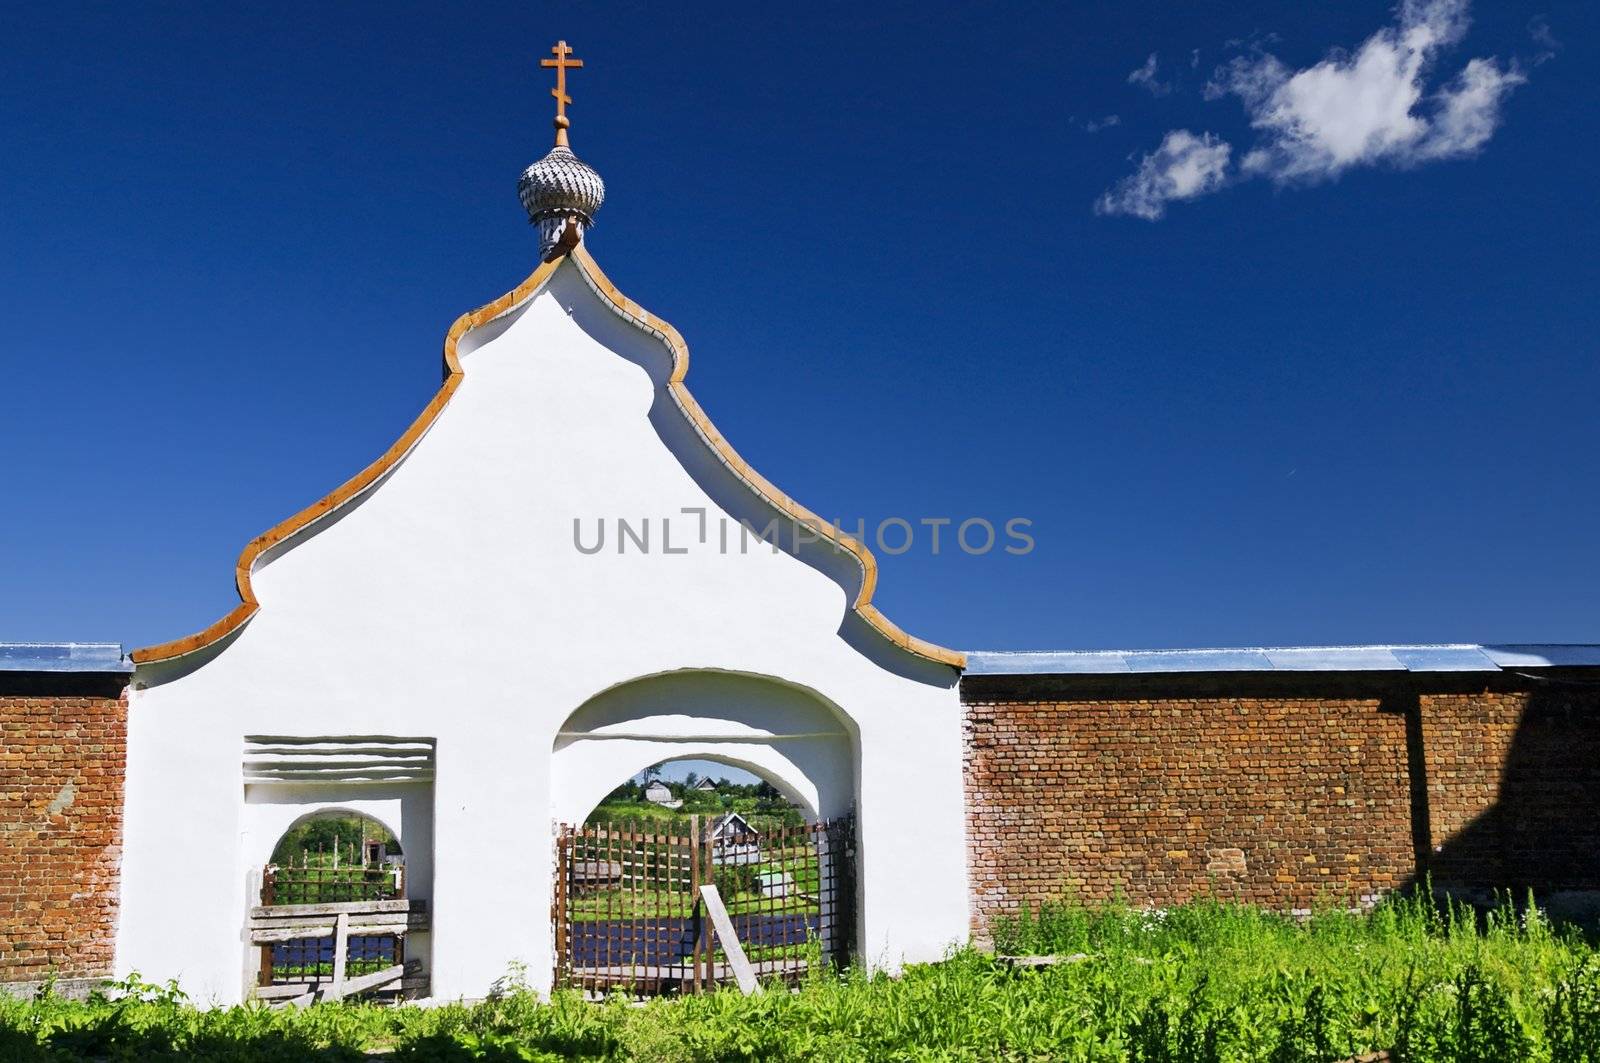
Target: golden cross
x: 563, y: 62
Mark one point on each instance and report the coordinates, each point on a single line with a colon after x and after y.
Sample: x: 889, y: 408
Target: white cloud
x: 1094, y: 125
x: 1468, y: 110
x: 1370, y: 107
x: 1539, y: 33
x: 1184, y: 166
x: 1145, y: 77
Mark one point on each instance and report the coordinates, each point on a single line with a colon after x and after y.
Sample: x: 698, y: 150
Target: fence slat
x: 730, y: 941
x: 341, y: 952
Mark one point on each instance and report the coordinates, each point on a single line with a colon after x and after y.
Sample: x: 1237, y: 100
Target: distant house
x: 378, y: 853
x: 733, y: 841
x: 658, y: 793
x: 706, y: 785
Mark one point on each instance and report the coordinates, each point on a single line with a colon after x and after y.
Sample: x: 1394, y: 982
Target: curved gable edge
x: 358, y: 485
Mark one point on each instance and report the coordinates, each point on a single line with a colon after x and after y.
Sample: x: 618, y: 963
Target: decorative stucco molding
x: 350, y: 759
x: 569, y: 248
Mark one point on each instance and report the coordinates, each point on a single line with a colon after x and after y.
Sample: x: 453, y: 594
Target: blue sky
x: 1262, y: 360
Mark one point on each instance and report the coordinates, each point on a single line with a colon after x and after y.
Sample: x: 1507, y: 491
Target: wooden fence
x: 329, y: 928
x: 328, y: 960
x: 628, y: 911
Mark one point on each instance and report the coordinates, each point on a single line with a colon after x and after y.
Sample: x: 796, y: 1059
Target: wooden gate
x: 629, y: 913
x: 327, y: 931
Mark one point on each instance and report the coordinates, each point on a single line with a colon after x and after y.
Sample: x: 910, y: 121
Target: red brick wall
x: 61, y: 777
x: 1284, y: 791
x: 1513, y: 778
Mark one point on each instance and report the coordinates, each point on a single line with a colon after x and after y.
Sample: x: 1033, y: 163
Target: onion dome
x: 557, y: 188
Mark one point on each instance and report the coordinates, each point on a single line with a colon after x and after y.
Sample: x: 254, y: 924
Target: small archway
x: 632, y: 908
x: 334, y: 854
x: 331, y: 857
x: 288, y: 868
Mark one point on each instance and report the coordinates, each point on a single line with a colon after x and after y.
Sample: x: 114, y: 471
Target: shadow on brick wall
x: 1538, y: 827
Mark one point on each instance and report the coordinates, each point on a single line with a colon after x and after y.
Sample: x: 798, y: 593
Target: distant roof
x: 63, y: 657
x: 728, y: 819
x: 1455, y: 657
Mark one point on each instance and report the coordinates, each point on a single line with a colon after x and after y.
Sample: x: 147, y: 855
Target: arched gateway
x: 628, y: 904
x: 558, y: 574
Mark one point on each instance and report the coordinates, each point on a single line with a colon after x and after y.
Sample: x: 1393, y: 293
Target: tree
x: 323, y: 831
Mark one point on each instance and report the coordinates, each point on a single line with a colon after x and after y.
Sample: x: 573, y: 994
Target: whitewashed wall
x: 450, y: 602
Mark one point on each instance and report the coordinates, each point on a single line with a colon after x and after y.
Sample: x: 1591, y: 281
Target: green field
x: 1201, y: 982
x: 653, y: 897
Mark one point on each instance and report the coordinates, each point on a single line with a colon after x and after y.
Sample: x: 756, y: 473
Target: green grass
x: 1200, y: 982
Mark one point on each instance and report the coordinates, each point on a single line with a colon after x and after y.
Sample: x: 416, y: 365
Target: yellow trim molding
x: 641, y: 318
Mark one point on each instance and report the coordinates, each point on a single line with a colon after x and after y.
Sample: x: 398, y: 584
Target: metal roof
x: 1443, y: 658
x: 63, y: 657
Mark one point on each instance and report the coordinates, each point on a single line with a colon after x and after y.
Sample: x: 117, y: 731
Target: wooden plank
x: 1041, y: 961
x: 611, y: 927
x: 312, y: 924
x: 341, y: 953
x: 290, y: 911
x: 742, y: 973
x: 286, y: 991
x: 629, y: 842
x: 296, y: 931
x: 708, y: 938
x: 694, y: 896
x: 415, y: 920
x: 271, y: 936
x: 374, y: 980
x: 558, y: 904
x: 290, y: 990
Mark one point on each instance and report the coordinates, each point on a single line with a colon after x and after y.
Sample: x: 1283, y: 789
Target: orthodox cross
x: 563, y: 62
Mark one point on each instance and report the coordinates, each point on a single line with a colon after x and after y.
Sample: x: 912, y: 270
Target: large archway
x: 631, y: 895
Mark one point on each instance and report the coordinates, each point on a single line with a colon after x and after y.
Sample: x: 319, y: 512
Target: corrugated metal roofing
x: 63, y: 657
x: 1446, y: 658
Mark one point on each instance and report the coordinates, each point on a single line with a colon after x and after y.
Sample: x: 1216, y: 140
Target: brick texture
x: 61, y: 783
x: 1285, y: 791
